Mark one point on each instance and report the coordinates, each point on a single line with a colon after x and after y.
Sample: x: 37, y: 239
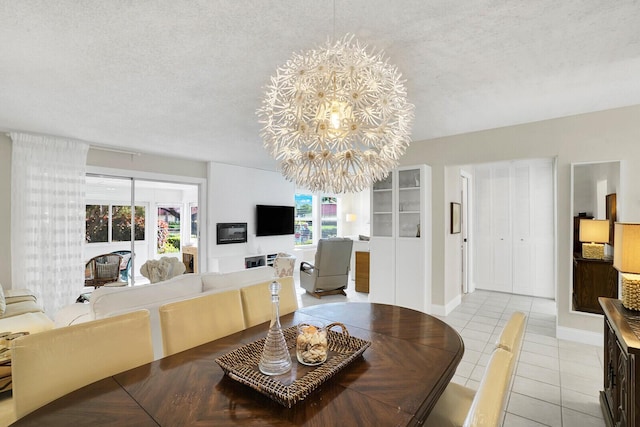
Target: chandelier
x: 336, y: 118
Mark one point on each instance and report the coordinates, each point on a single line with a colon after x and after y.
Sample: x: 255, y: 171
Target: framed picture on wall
x: 455, y: 218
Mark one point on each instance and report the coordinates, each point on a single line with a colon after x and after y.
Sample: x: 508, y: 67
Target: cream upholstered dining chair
x: 50, y: 364
x: 461, y: 406
x: 256, y: 301
x: 330, y: 273
x: 511, y: 336
x: 192, y: 322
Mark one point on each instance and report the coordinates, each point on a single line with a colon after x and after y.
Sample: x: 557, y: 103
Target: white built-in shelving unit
x: 400, y: 246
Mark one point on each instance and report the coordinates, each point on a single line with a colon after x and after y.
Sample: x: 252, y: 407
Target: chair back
x: 511, y: 336
x: 102, y: 269
x: 256, y: 301
x: 490, y: 400
x: 333, y: 256
x: 192, y: 322
x: 125, y: 264
x: 50, y: 364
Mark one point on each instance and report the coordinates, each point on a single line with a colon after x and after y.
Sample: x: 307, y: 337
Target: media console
x: 252, y: 261
x: 226, y: 264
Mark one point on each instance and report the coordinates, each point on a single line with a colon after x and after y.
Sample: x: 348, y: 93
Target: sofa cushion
x: 18, y: 308
x: 27, y: 322
x: 3, y: 302
x: 72, y: 314
x: 18, y: 295
x: 236, y: 279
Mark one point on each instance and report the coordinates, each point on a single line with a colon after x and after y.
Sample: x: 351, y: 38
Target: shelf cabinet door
x: 409, y: 202
x: 382, y: 255
x: 382, y: 203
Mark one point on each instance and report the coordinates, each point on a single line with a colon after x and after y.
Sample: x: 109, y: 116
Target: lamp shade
x: 594, y: 230
x: 626, y: 252
x: 350, y: 217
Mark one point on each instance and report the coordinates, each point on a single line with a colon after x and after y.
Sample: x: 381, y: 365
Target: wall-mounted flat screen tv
x: 274, y: 220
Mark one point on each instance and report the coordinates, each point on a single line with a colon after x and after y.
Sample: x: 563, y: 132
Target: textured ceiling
x: 184, y: 77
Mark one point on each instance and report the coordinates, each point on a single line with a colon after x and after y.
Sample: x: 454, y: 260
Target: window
x: 168, y: 229
x: 104, y: 221
x: 97, y: 223
x: 121, y: 223
x: 304, y: 219
x: 194, y: 221
x: 329, y: 217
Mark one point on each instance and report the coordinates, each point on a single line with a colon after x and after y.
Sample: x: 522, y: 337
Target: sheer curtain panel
x: 48, y: 217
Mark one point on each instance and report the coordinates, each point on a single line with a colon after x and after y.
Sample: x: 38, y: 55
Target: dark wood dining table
x: 396, y: 382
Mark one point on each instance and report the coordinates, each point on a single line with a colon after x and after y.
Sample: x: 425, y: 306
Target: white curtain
x: 48, y: 218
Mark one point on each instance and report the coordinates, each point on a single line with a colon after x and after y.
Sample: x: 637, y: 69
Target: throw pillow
x: 3, y: 301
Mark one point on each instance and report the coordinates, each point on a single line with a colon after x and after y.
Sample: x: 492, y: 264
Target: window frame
x: 317, y: 217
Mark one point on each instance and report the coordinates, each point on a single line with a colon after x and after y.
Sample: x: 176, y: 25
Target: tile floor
x: 557, y: 382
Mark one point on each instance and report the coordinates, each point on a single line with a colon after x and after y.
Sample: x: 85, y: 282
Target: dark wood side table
x: 620, y: 399
x: 362, y: 271
x: 593, y: 278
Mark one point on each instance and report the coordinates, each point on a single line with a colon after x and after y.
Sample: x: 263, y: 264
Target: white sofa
x: 106, y: 302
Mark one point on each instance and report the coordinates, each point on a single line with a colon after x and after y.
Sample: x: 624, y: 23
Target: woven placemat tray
x: 288, y: 389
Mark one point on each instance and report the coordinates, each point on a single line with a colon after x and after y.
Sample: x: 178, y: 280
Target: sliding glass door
x: 149, y: 219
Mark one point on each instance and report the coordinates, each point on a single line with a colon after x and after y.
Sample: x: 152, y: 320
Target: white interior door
x: 522, y: 244
x: 483, y: 236
x: 501, y: 226
x: 514, y: 227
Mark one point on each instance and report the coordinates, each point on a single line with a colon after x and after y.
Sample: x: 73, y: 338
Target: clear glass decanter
x: 275, y: 358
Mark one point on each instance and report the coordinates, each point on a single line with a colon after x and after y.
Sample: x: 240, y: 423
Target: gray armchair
x: 330, y: 274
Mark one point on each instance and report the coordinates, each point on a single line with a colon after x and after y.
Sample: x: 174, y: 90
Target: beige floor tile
x: 537, y: 389
x: 539, y: 373
x: 571, y: 418
x: 537, y: 410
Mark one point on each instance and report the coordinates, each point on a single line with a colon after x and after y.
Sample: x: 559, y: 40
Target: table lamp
x: 594, y: 233
x: 626, y: 259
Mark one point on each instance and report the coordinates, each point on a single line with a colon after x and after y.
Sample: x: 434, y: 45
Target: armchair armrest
x: 305, y: 267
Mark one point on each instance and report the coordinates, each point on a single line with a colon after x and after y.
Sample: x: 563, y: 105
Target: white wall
x: 234, y: 192
x: 358, y: 204
x: 453, y: 242
x: 602, y: 136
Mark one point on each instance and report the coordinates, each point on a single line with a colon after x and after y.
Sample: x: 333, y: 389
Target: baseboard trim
x: 579, y: 335
x: 444, y: 310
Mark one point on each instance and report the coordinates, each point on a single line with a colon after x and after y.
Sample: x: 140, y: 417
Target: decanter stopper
x: 275, y: 358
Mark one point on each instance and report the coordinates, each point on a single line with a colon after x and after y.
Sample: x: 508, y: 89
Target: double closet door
x: 514, y: 227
